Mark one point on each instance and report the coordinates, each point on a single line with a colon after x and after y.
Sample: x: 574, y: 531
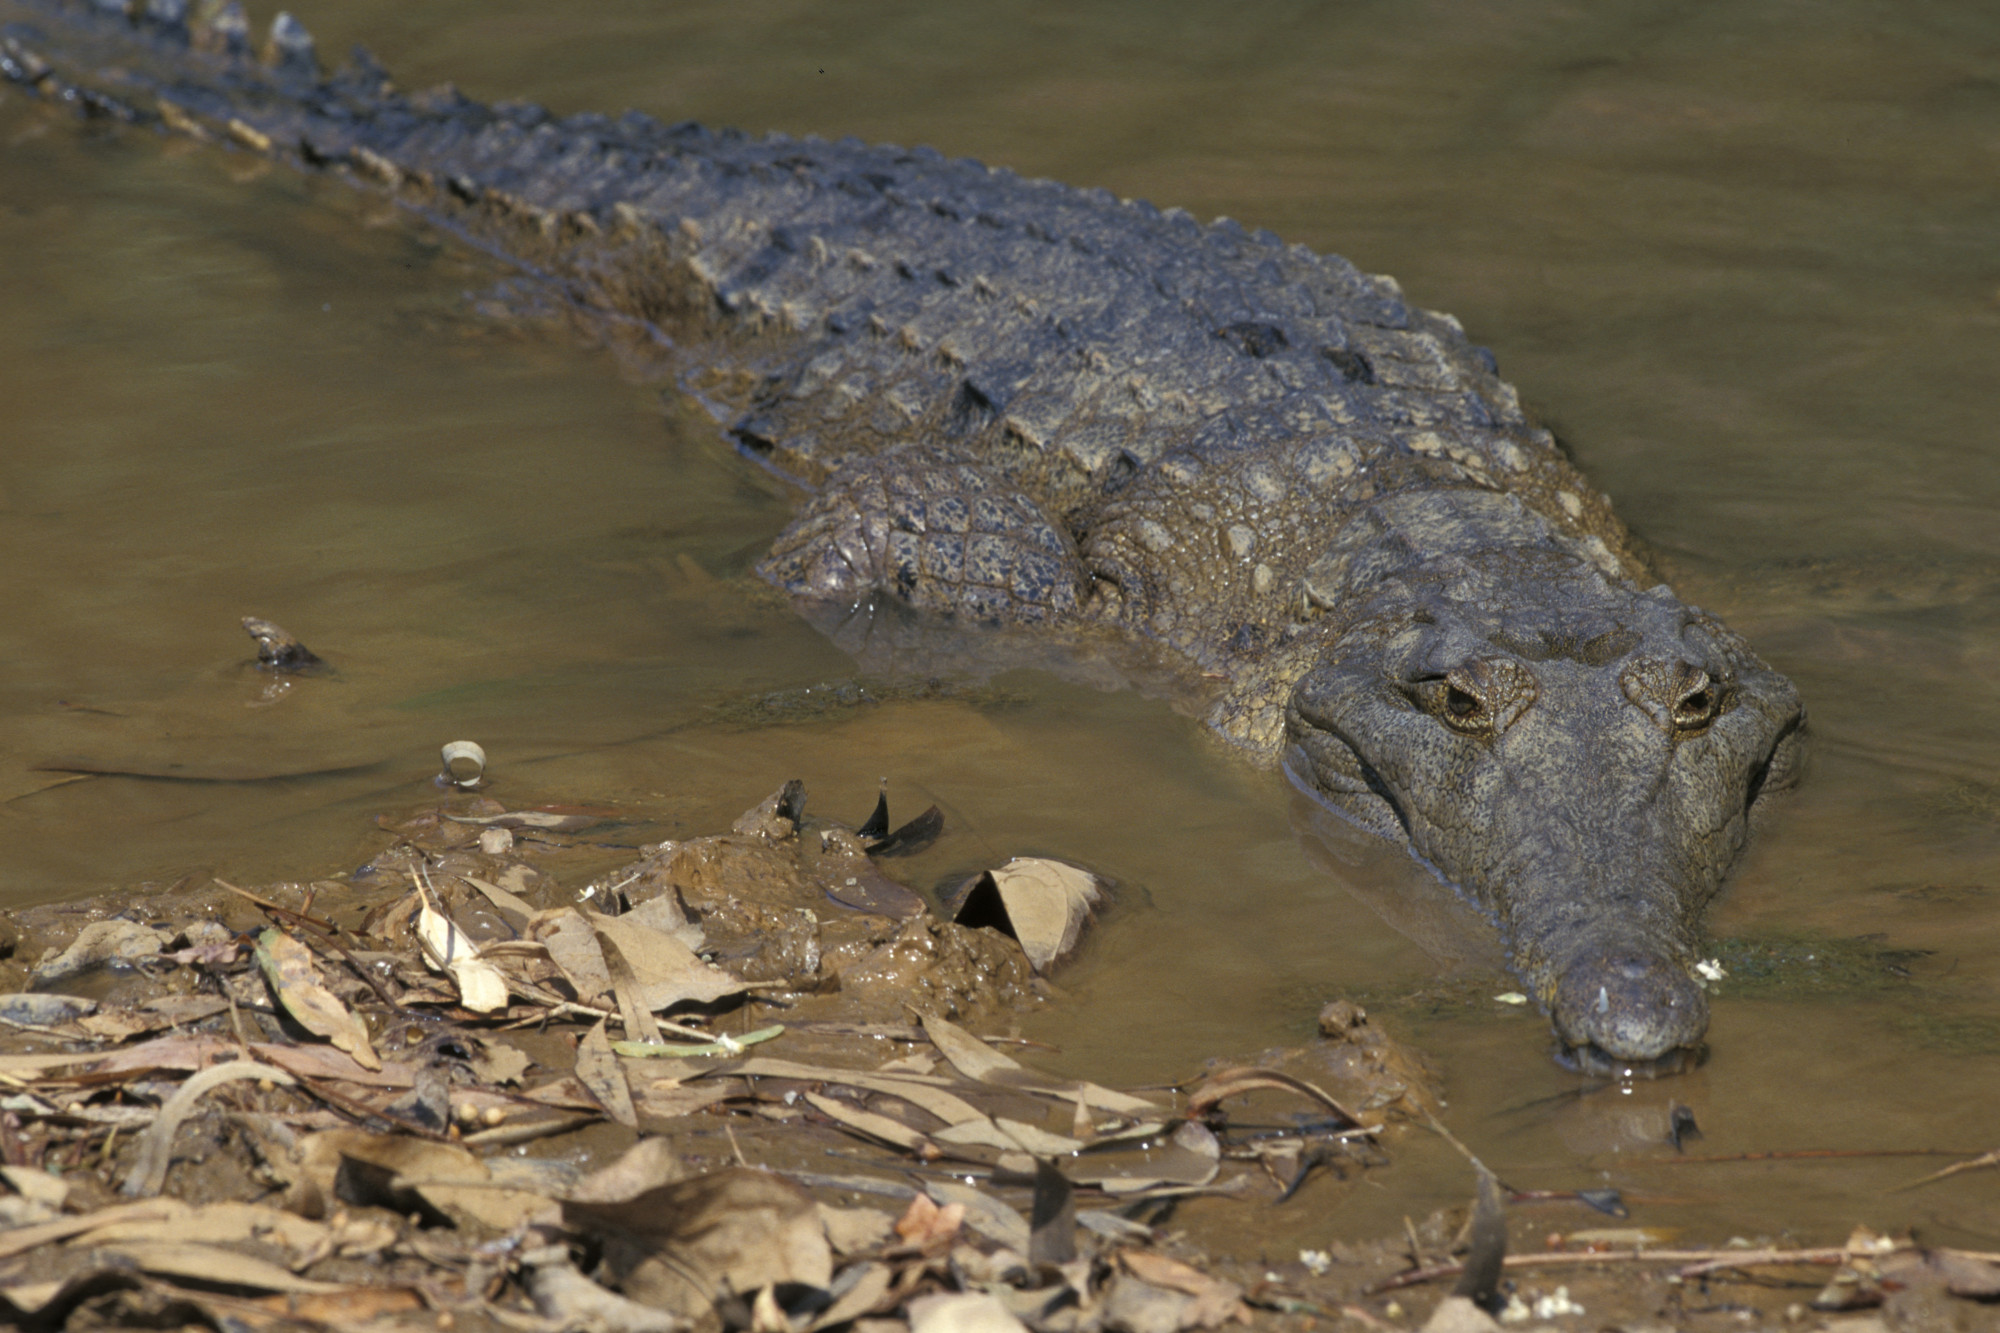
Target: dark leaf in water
x: 1479, y: 1282
x: 279, y: 650
x: 1608, y: 1202
x: 877, y: 826
x: 914, y: 836
x: 1681, y: 1128
x: 1052, y: 1217
x: 1319, y: 1154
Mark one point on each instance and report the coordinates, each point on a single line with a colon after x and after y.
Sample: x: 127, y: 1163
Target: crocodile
x: 1009, y: 402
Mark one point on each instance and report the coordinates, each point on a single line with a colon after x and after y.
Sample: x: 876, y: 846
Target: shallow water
x: 1742, y: 257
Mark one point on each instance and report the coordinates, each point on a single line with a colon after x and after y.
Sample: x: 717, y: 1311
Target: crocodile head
x: 1580, y: 757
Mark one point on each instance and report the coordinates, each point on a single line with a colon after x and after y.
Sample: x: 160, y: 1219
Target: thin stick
x: 318, y: 936
x: 1984, y: 1159
x: 1796, y: 1154
x: 270, y: 906
x: 362, y: 1112
x: 1697, y: 1261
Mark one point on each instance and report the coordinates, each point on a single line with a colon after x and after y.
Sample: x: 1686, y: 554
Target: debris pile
x: 728, y: 1085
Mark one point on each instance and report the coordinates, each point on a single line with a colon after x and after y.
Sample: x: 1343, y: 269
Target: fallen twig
x: 1696, y: 1262
x: 1800, y: 1154
x: 270, y: 906
x: 1974, y: 1164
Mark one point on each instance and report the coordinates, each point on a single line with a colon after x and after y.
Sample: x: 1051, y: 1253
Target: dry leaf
x: 985, y: 1214
x: 856, y: 1230
x: 212, y: 1264
x: 667, y: 972
x: 98, y: 943
x: 855, y: 1293
x: 288, y: 966
x: 516, y: 911
x: 916, y: 1089
x: 1008, y: 1135
x: 982, y: 1064
x: 870, y: 1123
x: 39, y: 1010
x: 924, y: 1223
x: 564, y: 1295
x: 979, y: 1312
x: 632, y: 1011
x: 597, y: 1066
x: 215, y: 1224
x: 572, y: 943
x: 1216, y: 1301
x: 350, y: 1307
x: 481, y: 986
x: 678, y: 1245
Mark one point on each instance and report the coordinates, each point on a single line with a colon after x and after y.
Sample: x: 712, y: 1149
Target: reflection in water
x: 1754, y: 291
x: 1400, y: 889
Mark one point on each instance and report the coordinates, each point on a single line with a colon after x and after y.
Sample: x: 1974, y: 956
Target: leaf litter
x: 447, y: 1091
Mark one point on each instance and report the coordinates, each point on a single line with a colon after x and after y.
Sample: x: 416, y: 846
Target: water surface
x: 1743, y: 258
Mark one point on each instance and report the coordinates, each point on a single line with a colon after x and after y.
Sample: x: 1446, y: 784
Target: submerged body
x: 1012, y: 402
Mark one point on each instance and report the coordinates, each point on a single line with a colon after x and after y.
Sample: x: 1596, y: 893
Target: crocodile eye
x: 1700, y: 702
x: 1456, y: 701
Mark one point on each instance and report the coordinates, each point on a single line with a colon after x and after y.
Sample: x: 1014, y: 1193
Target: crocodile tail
x: 148, y: 62
x: 510, y: 177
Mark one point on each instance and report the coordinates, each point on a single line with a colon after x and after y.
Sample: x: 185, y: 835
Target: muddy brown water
x: 1745, y: 258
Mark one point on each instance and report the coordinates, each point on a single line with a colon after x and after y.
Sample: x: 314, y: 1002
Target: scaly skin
x: 1012, y: 402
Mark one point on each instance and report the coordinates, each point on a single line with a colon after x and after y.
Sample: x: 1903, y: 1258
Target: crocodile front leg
x: 936, y: 532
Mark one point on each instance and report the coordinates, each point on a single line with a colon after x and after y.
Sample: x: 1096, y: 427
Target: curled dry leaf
x: 1043, y: 904
x: 288, y: 966
x: 482, y: 987
x: 1229, y: 1082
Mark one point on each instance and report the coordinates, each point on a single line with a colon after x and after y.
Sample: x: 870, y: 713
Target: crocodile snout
x: 1629, y: 1006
